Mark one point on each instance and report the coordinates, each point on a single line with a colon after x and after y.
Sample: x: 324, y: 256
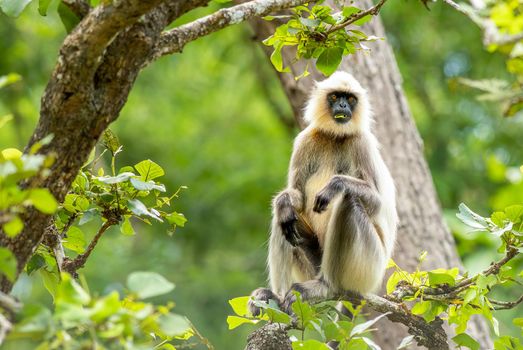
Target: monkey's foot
x: 261, y: 295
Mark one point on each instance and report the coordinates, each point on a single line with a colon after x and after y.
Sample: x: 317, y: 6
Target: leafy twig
x: 72, y: 265
x: 356, y: 16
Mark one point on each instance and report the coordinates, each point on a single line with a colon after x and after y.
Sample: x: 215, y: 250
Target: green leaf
x: 309, y: 22
x: 498, y: 218
x: 35, y: 263
x: 148, y: 284
x: 69, y: 291
x: 466, y: 340
x: 7, y: 264
x: 349, y: 10
x: 43, y: 5
x: 138, y: 208
x: 105, y: 307
x: 276, y: 59
x: 239, y: 305
x: 149, y: 170
x: 393, y: 280
x: 310, y: 344
x: 126, y: 228
x: 177, y: 219
x: 421, y: 307
x: 514, y: 213
x: 236, y: 321
x: 364, y: 327
x: 146, y: 186
x: 303, y: 311
x: 110, y: 180
x: 174, y: 325
x: 5, y: 80
x: 363, y: 20
x: 329, y: 60
x: 75, y: 240
x: 43, y: 200
x: 13, y: 8
x: 68, y: 17
x: 13, y: 227
x: 469, y: 218
x: 441, y: 278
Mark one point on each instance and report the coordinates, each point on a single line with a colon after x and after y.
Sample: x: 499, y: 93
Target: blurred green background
x: 209, y: 118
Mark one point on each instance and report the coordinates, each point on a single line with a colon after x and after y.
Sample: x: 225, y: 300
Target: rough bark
x: 421, y: 222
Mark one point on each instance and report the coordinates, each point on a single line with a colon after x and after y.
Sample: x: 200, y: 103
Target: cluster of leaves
x: 441, y: 293
x: 315, y: 324
x: 83, y: 321
x: 507, y: 18
x: 446, y: 294
x: 132, y: 192
x: 318, y: 33
x: 16, y: 167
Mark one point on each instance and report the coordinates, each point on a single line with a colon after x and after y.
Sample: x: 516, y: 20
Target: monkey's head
x: 339, y: 104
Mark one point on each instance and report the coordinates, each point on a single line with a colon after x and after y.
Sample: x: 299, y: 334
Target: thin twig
x: 504, y: 305
x: 356, y: 16
x: 72, y: 265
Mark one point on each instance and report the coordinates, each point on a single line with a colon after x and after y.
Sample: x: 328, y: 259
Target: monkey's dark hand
x: 325, y: 196
x: 289, y: 227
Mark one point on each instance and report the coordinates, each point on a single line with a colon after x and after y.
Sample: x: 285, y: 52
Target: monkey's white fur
x: 364, y: 266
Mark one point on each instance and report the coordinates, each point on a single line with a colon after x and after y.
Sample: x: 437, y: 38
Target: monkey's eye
x: 333, y: 97
x: 352, y: 100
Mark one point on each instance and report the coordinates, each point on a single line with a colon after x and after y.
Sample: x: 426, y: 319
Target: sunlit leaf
x: 149, y: 170
x: 7, y: 264
x: 466, y: 340
x: 148, y: 284
x: 329, y: 60
x: 13, y: 8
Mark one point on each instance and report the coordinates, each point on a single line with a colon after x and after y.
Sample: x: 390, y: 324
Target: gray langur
x: 334, y: 226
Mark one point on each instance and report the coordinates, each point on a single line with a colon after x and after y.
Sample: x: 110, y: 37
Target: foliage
x: 437, y: 294
x: 318, y: 33
x: 81, y: 320
x: 16, y: 167
x: 502, y: 23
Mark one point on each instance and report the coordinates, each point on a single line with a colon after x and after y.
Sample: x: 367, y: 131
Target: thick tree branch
x: 175, y: 39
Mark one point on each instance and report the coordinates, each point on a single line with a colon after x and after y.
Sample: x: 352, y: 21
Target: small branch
x: 9, y: 303
x: 79, y: 7
x: 175, y: 39
x: 71, y: 266
x: 505, y: 305
x: 431, y: 335
x: 356, y: 16
x: 491, y: 34
x: 493, y: 269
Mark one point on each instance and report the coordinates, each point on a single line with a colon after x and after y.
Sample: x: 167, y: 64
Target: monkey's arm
x: 352, y: 186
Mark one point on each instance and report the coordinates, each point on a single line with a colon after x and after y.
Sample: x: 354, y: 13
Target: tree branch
x: 505, y: 305
x: 356, y: 16
x: 71, y: 266
x: 79, y: 7
x: 491, y: 34
x: 175, y: 39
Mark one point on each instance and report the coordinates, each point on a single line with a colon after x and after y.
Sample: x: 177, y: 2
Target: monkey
x: 334, y: 226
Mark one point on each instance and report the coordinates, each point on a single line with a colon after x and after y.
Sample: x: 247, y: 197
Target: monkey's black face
x: 341, y: 105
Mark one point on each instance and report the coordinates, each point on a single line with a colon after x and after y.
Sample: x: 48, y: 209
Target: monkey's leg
x: 293, y: 247
x: 354, y: 254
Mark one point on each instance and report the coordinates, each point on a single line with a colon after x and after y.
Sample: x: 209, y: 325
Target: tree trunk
x: 421, y: 223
